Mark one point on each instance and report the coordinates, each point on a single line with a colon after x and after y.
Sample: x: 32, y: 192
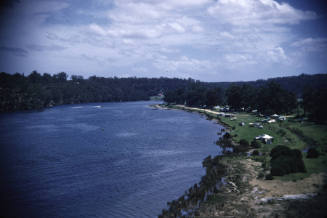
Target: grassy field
x: 291, y: 133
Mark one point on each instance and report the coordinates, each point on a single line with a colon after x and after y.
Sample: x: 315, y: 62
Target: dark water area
x: 117, y: 160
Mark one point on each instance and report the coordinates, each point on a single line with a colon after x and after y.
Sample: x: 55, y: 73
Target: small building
x: 281, y: 118
x: 256, y: 124
x: 274, y: 116
x: 267, y: 139
x: 225, y: 109
x: 251, y: 124
x: 242, y: 124
x: 216, y: 107
x: 254, y: 111
x: 271, y: 121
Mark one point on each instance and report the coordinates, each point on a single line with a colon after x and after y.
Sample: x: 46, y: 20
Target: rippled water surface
x: 117, y: 160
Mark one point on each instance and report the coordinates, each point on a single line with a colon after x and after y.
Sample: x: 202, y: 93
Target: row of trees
x: 195, y: 94
x: 268, y: 99
x: 36, y: 91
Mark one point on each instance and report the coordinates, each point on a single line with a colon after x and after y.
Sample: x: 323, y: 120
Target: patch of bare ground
x: 246, y: 196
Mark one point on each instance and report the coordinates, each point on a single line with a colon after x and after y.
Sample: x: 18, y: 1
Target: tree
x: 62, y: 77
x: 273, y: 99
x: 213, y: 97
x: 315, y: 103
x: 312, y: 153
x: 244, y: 145
x: 35, y: 77
x: 255, y: 144
x: 241, y: 96
x: 234, y: 97
x: 285, y: 160
x: 76, y: 78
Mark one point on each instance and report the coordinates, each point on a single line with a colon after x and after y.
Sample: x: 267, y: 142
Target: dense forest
x: 267, y: 97
x: 36, y: 91
x: 277, y: 95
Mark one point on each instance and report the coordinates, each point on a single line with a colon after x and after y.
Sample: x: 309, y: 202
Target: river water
x: 117, y: 160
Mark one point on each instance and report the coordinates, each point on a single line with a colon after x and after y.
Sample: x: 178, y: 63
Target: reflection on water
x: 117, y: 160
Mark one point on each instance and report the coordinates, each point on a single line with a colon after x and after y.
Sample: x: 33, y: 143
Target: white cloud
x: 257, y: 12
x: 183, y: 64
x: 311, y: 44
x: 277, y: 54
x: 198, y: 38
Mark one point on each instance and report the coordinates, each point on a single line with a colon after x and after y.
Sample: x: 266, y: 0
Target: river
x: 116, y: 160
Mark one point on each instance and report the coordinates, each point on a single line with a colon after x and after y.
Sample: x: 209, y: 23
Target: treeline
x: 277, y: 95
x: 37, y: 91
x: 196, y: 94
x: 268, y: 99
x: 294, y: 84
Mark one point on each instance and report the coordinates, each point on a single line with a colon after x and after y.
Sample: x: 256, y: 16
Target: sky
x: 207, y: 40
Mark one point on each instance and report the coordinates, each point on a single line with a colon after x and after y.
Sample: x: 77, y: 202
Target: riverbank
x: 245, y: 192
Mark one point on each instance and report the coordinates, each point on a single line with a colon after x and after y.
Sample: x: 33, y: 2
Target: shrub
x: 312, y: 153
x: 225, y: 140
x: 261, y: 175
x: 285, y: 160
x: 227, y: 135
x: 281, y: 132
x: 269, y: 177
x: 255, y: 144
x: 238, y: 149
x: 255, y: 153
x: 244, y: 143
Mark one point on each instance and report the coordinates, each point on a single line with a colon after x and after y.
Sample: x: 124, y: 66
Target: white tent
x: 265, y: 138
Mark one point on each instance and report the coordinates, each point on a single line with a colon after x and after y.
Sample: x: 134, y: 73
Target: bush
x: 227, y: 135
x: 255, y: 144
x: 312, y: 153
x: 238, y: 149
x: 255, y: 153
x: 261, y: 175
x: 244, y: 143
x: 269, y: 177
x: 281, y: 132
x: 285, y: 160
x: 225, y: 140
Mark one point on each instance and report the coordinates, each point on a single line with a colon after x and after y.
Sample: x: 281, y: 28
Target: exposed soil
x: 246, y: 196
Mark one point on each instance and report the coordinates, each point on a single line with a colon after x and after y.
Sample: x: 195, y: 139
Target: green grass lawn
x: 284, y: 134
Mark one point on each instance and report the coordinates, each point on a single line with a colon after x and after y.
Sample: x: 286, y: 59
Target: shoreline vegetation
x: 35, y: 91
x: 239, y: 183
